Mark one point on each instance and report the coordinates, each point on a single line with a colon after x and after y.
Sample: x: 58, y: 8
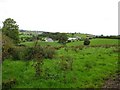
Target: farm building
x: 78, y: 38
x: 74, y: 39
x: 48, y: 40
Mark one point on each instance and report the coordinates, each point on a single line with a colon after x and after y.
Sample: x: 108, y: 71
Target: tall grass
x: 91, y: 66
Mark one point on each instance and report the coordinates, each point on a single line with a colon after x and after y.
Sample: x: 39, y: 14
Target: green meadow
x: 90, y: 67
x: 76, y: 43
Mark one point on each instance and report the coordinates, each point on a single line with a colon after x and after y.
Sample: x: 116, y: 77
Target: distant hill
x: 30, y: 31
x: 82, y: 35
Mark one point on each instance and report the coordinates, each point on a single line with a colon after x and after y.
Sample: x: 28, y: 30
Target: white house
x: 48, y: 40
x: 72, y: 39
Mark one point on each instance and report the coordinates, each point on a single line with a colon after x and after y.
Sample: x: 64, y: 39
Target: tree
x: 72, y: 34
x: 62, y: 38
x: 86, y: 41
x: 10, y: 29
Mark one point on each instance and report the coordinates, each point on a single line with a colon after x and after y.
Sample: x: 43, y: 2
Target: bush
x: 66, y: 63
x: 7, y: 44
x: 29, y: 53
x: 86, y: 41
x: 49, y: 52
x: 40, y: 52
x: 18, y: 53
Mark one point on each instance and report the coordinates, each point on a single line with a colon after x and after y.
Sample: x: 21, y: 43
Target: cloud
x: 87, y: 16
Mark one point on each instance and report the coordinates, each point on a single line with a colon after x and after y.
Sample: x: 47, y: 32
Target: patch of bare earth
x: 113, y: 83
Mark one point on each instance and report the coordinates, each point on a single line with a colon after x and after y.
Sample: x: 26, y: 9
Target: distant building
x: 74, y: 39
x: 48, y: 40
x: 78, y: 38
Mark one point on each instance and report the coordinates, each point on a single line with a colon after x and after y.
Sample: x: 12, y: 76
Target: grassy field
x: 80, y: 35
x: 90, y: 67
x: 76, y: 43
x: 41, y: 43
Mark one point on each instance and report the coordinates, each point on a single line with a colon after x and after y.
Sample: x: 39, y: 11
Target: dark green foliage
x: 15, y: 53
x: 30, y: 53
x: 38, y: 67
x: 18, y: 53
x: 62, y: 38
x: 86, y: 41
x: 33, y: 38
x: 7, y: 44
x: 39, y: 54
x: 54, y: 36
x: 8, y: 84
x: 49, y: 52
x: 10, y: 29
x: 44, y: 52
x: 109, y: 37
x: 68, y: 41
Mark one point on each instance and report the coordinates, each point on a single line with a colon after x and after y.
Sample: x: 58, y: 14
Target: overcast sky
x: 85, y: 16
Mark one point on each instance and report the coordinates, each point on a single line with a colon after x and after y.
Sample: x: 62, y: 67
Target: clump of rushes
x: 66, y: 48
x: 75, y: 49
x: 49, y: 52
x: 66, y: 63
x: 39, y: 57
x: 38, y: 68
x: 40, y: 53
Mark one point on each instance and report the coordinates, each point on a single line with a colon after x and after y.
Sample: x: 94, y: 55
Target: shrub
x: 86, y: 41
x: 49, y: 52
x: 40, y: 52
x: 29, y: 53
x: 66, y: 63
x: 18, y: 53
x: 7, y: 44
x: 8, y: 84
x: 38, y: 67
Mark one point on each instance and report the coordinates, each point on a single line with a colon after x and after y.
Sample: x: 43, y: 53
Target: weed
x: 66, y: 63
x: 38, y: 68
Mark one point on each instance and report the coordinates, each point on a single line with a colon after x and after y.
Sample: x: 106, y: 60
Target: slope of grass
x: 76, y: 43
x: 96, y: 42
x: 41, y: 43
x: 104, y: 41
x: 90, y: 67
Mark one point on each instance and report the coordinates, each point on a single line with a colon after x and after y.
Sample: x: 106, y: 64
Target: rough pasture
x: 74, y: 66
